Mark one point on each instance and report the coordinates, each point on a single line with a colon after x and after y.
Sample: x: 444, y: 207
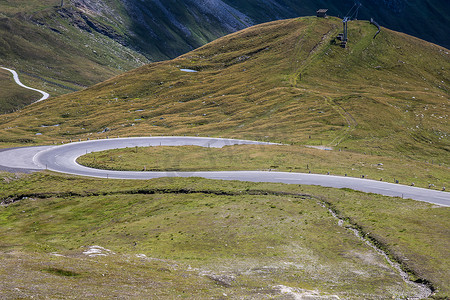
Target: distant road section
x: 63, y: 159
x: 17, y: 80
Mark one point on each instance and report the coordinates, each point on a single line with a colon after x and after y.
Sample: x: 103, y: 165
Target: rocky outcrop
x: 231, y: 18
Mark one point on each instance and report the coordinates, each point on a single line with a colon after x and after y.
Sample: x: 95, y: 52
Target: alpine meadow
x: 376, y: 109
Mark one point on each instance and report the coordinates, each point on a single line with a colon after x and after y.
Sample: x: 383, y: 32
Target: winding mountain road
x: 17, y: 80
x: 63, y: 159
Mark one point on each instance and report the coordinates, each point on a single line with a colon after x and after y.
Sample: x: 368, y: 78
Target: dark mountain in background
x: 428, y: 20
x: 165, y: 29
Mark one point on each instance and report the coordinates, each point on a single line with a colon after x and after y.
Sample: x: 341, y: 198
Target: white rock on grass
x: 97, y: 251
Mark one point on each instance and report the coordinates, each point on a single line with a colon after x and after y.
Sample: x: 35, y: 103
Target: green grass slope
x: 13, y: 95
x: 197, y: 238
x: 284, y: 81
x: 57, y: 50
x: 66, y: 48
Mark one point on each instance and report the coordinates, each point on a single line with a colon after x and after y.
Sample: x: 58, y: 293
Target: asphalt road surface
x: 17, y: 80
x: 63, y: 159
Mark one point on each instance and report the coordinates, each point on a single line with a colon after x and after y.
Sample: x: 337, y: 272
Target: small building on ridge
x: 322, y: 13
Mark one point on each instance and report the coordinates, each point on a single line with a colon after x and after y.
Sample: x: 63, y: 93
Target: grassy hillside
x: 55, y: 49
x: 63, y: 49
x: 14, y: 96
x: 284, y: 81
x: 196, y: 238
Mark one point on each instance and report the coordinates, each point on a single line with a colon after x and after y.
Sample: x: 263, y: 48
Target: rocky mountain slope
x: 60, y: 50
x: 165, y: 29
x: 65, y: 48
